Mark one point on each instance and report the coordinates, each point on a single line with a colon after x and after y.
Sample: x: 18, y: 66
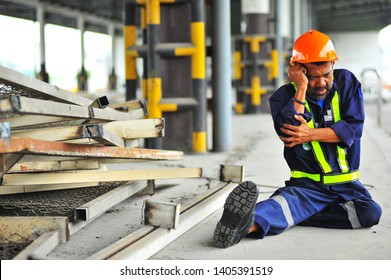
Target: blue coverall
x: 306, y: 202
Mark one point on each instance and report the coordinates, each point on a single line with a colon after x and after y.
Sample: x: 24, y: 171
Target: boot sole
x: 238, y: 215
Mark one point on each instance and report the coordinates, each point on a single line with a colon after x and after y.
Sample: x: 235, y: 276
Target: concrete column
x: 296, y: 19
x: 82, y: 77
x: 283, y: 40
x: 42, y: 75
x: 112, y: 75
x: 256, y: 17
x: 221, y: 61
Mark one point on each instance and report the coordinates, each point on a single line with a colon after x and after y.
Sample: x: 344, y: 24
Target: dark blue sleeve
x: 282, y: 108
x: 350, y: 127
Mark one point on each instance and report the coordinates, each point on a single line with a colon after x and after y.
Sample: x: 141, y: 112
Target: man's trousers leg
x: 290, y: 206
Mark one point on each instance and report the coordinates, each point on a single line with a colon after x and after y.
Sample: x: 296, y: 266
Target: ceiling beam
x: 70, y: 12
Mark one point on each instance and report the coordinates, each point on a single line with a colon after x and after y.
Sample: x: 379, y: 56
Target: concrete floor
x: 256, y: 146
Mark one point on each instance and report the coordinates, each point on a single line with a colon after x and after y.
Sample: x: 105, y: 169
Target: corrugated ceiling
x: 328, y: 15
x: 357, y: 15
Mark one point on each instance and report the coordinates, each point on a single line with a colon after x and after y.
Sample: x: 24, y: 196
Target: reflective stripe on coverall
x: 333, y: 200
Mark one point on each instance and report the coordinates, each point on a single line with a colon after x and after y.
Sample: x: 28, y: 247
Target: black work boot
x: 238, y: 215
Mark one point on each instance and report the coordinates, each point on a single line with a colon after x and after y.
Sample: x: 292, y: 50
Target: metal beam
x: 89, y: 133
x: 49, y: 148
x: 98, y: 206
x: 100, y: 176
x: 15, y: 104
x: 40, y: 188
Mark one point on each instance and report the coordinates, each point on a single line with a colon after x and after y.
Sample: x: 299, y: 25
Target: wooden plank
x: 20, y: 229
x: 130, y: 105
x: 53, y: 165
x: 99, y: 176
x: 146, y: 128
x: 42, y: 147
x: 161, y: 214
x: 129, y: 129
x: 98, y: 206
x: 4, y: 189
x: 15, y: 104
x: 41, y: 246
x: 36, y: 121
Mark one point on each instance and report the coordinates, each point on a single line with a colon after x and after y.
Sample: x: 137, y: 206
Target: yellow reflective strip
x: 327, y: 179
x: 198, y: 70
x: 343, y: 164
x: 319, y: 155
x: 342, y: 161
x: 311, y: 123
x: 301, y: 174
x: 341, y: 178
x: 335, y: 107
x: 318, y: 152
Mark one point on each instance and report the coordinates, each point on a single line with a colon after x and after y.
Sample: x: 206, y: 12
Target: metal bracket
x: 232, y: 173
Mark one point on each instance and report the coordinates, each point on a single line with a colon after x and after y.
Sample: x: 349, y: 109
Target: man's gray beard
x: 316, y: 97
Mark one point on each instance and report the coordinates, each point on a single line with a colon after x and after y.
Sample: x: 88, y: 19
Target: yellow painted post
x: 198, y: 73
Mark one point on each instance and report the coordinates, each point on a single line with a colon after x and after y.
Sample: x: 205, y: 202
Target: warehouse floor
x: 258, y: 149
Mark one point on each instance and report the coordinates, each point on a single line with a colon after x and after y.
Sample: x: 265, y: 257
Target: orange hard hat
x: 313, y: 46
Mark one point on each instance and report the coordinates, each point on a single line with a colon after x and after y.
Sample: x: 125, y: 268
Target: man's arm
x: 302, y: 134
x: 297, y: 74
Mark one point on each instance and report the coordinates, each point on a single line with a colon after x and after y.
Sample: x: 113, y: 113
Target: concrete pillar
x: 82, y: 77
x: 283, y: 39
x: 42, y: 75
x: 221, y: 61
x: 256, y: 17
x: 296, y: 19
x: 112, y: 75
